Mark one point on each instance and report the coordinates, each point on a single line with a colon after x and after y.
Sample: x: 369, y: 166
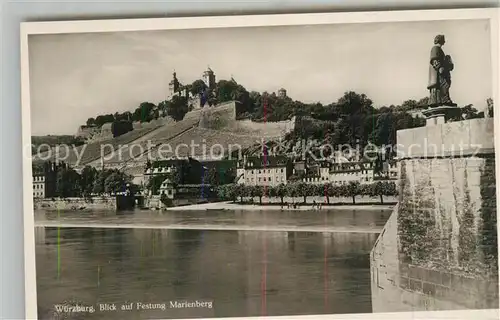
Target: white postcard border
x: 238, y: 21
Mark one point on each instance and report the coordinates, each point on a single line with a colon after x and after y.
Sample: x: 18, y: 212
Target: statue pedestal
x: 440, y: 115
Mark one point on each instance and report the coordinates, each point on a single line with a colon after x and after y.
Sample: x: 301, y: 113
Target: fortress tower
x: 173, y: 86
x: 282, y: 93
x: 209, y: 78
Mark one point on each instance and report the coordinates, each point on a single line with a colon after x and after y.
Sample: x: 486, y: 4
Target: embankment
x: 97, y: 203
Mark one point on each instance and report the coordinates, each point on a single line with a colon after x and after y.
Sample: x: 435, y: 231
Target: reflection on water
x: 362, y: 220
x: 244, y: 273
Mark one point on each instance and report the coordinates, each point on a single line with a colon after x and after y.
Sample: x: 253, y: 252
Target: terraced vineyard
x: 92, y: 151
x: 135, y: 150
x: 163, y: 134
x: 207, y: 143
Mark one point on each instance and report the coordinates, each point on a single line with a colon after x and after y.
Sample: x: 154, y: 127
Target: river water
x: 221, y: 263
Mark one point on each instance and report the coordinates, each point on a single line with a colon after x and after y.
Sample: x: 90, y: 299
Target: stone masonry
x: 438, y: 250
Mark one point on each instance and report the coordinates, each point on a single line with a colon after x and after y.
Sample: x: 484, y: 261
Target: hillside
x: 44, y: 143
x: 91, y: 151
x: 207, y: 143
x: 208, y: 126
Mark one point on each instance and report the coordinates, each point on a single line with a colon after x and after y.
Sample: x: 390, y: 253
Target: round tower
x: 282, y: 93
x: 209, y: 78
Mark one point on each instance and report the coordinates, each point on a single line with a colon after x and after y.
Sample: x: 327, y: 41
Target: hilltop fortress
x: 202, y: 125
x: 93, y: 133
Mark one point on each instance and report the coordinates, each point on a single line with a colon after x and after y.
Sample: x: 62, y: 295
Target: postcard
x: 301, y: 166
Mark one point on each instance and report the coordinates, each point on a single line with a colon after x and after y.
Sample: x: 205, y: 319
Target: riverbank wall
x: 96, y: 203
x: 438, y: 250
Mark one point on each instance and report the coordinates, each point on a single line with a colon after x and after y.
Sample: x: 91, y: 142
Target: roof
x: 171, y: 161
x: 266, y: 162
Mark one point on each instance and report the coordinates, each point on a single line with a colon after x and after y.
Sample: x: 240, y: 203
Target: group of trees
x: 69, y: 183
x: 121, y: 127
x: 352, y: 119
x: 185, y: 173
x: 302, y: 189
x: 106, y: 181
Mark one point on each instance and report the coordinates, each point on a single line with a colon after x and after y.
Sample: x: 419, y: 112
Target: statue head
x: 439, y: 39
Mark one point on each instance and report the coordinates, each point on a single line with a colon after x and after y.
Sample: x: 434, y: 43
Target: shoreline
x: 212, y: 227
x: 276, y: 207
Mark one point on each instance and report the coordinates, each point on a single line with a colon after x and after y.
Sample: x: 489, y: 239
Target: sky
x: 77, y: 76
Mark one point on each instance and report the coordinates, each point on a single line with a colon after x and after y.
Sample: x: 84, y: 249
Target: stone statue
x: 440, y: 67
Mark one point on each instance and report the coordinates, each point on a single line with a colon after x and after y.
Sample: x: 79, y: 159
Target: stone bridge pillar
x: 438, y: 250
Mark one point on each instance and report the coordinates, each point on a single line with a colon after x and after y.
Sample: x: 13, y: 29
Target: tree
x: 222, y: 192
x: 232, y: 191
x: 281, y: 191
x: 270, y: 191
x: 304, y: 190
x: 98, y: 187
x: 88, y: 177
x: 227, y: 192
x: 211, y: 176
x: 120, y: 127
x: 292, y: 189
x: 409, y: 105
x: 257, y: 191
x: 102, y: 119
x: 67, y: 182
x: 225, y: 90
x: 385, y: 130
x: 328, y: 191
x: 197, y: 87
x: 469, y: 112
x: 116, y: 181
x: 90, y: 122
x: 241, y: 191
x: 105, y: 184
x: 144, y: 113
x: 423, y: 103
x: 177, y: 108
x: 352, y: 190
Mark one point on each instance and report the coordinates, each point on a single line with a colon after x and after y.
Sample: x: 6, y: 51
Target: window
x: 264, y: 179
x: 281, y: 170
